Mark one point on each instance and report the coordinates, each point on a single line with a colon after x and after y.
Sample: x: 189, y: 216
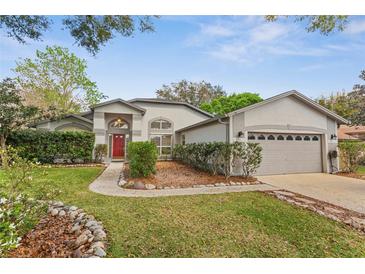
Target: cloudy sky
x: 241, y: 53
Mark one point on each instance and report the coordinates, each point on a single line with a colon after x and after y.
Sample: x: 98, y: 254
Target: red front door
x: 118, y: 146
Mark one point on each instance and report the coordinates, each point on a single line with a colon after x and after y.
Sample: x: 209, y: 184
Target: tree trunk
x: 3, y: 147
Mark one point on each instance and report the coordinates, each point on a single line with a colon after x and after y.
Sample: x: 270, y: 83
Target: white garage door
x: 288, y: 153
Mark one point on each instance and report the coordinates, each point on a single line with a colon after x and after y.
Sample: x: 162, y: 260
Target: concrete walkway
x: 107, y: 184
x: 338, y: 190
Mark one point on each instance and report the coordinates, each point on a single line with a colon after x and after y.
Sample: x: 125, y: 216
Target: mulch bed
x: 177, y: 174
x: 351, y: 175
x: 49, y: 239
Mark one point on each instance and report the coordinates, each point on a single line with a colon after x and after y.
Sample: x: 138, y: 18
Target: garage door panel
x: 288, y: 156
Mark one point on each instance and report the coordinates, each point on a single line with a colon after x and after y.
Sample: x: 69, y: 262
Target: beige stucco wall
x: 213, y: 132
x: 181, y: 116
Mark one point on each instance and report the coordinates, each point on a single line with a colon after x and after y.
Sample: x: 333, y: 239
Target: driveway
x: 338, y: 190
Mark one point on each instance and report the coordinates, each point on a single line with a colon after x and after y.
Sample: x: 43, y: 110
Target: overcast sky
x: 242, y: 53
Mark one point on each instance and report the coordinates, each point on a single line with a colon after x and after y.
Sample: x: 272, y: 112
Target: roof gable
x: 309, y: 102
x: 128, y: 104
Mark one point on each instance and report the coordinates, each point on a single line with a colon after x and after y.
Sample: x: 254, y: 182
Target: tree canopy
x: 350, y: 105
x: 89, y: 31
x: 194, y: 93
x: 226, y: 104
x: 13, y: 114
x: 56, y: 82
x: 325, y: 24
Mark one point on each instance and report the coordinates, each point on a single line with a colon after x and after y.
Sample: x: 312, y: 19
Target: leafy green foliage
x: 248, y: 157
x: 194, y: 93
x: 18, y: 211
x: 57, y: 79
x: 13, y: 114
x: 226, y: 104
x: 325, y: 24
x: 352, y: 154
x: 100, y: 152
x: 90, y: 31
x: 53, y: 146
x: 218, y: 157
x: 142, y: 158
x: 24, y: 26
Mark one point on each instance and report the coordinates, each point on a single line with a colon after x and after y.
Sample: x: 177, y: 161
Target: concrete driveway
x: 338, y: 190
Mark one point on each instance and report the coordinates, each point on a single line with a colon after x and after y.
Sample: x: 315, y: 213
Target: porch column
x: 137, y: 127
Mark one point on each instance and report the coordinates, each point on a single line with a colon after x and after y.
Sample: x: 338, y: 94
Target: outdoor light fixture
x: 240, y: 134
x: 333, y: 136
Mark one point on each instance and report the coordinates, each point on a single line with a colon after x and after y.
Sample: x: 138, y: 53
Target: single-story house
x: 356, y: 133
x: 295, y: 132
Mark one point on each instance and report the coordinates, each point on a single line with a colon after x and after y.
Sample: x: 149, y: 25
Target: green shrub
x: 352, y: 154
x: 53, y: 146
x: 100, y: 152
x: 142, y: 158
x: 218, y: 157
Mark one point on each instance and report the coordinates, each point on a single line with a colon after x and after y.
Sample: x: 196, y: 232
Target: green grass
x: 225, y: 225
x: 361, y: 170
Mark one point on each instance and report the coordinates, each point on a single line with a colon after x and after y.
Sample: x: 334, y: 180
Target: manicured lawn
x: 361, y: 170
x: 224, y: 225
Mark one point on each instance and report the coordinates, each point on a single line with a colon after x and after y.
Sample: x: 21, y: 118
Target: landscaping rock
x: 139, y: 185
x: 82, y: 239
x: 210, y: 185
x: 57, y: 204
x: 219, y: 184
x: 150, y: 186
x: 91, y: 223
x: 62, y: 213
x: 99, y: 252
x: 198, y: 186
x: 73, y: 208
x: 54, y: 212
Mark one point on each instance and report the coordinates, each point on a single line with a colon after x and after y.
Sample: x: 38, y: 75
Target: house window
x: 280, y: 138
x: 315, y: 138
x: 119, y: 123
x: 251, y: 137
x: 271, y: 137
x: 289, y: 138
x: 298, y: 138
x: 163, y: 144
x: 161, y: 124
x: 306, y: 138
x: 261, y: 137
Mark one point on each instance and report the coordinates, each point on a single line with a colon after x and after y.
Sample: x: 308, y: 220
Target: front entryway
x: 118, y: 146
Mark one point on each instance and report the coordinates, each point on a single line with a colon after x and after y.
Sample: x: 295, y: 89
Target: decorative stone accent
x: 150, y: 186
x: 91, y: 236
x: 336, y: 213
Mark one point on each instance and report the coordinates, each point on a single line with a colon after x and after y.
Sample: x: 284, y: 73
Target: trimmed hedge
x: 218, y: 157
x: 142, y: 158
x: 53, y: 146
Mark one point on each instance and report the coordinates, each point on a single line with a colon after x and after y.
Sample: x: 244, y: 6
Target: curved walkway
x: 107, y: 184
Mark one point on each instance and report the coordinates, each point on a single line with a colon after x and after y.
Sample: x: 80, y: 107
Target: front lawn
x: 225, y: 225
x: 361, y: 170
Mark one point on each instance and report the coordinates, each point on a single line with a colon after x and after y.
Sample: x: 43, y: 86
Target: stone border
x: 336, y: 213
x: 91, y: 236
x: 74, y: 165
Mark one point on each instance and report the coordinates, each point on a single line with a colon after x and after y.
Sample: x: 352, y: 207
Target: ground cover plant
x: 224, y: 225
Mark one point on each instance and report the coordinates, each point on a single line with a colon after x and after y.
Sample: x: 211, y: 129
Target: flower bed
x: 172, y: 174
x: 65, y: 232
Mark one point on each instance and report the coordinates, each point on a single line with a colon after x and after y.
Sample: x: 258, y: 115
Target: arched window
x: 280, y: 138
x: 271, y: 137
x: 251, y: 137
x: 315, y: 138
x: 119, y: 123
x: 306, y: 138
x: 289, y: 138
x: 298, y: 138
x: 261, y: 137
x: 161, y: 124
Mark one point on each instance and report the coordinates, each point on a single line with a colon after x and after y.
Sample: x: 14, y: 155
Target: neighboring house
x: 356, y: 133
x: 295, y: 132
